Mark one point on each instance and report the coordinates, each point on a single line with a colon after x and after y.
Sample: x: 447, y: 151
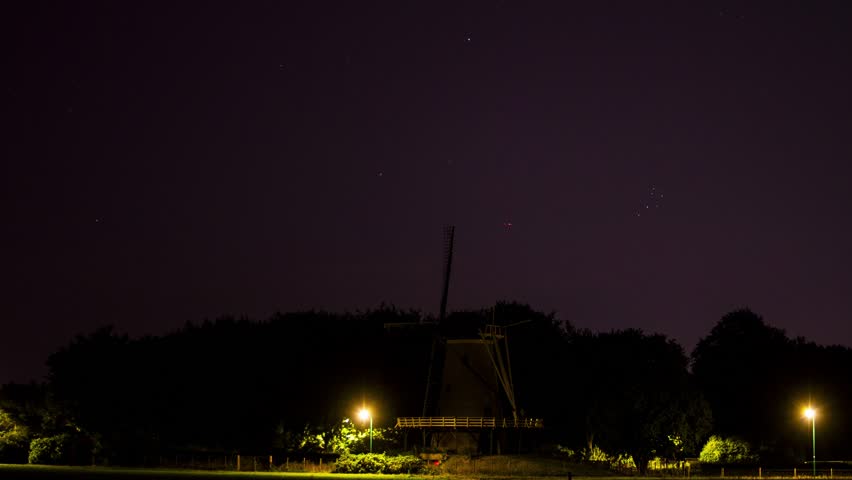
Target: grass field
x: 514, y: 466
x: 42, y: 472
x: 39, y: 472
x: 459, y: 470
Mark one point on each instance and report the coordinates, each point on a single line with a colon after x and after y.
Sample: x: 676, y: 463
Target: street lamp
x: 811, y: 414
x: 364, y: 414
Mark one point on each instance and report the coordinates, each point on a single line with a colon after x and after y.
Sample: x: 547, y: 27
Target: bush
x: 49, y: 450
x: 378, y: 463
x: 14, y: 440
x: 726, y: 451
x: 621, y: 462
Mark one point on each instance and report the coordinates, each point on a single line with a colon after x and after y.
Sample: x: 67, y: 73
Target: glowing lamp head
x: 364, y: 414
x: 810, y: 413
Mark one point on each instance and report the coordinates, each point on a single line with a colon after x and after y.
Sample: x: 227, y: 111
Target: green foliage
x: 50, y: 450
x: 347, y: 436
x: 344, y: 438
x: 310, y: 440
x: 595, y: 454
x: 14, y: 440
x: 379, y: 463
x: 727, y: 451
x: 620, y: 462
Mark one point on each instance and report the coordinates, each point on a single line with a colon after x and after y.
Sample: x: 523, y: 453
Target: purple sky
x: 171, y: 162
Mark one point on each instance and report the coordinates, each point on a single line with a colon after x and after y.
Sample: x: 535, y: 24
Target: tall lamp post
x: 364, y: 414
x: 811, y: 414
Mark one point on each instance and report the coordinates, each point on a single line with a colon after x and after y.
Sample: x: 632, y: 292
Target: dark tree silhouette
x: 255, y: 387
x: 743, y: 366
x: 235, y: 385
x: 638, y: 396
x: 758, y: 381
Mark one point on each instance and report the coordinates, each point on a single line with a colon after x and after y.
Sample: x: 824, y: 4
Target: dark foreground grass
x: 43, y: 472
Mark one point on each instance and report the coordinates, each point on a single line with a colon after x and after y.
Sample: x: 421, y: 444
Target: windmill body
x: 469, y: 386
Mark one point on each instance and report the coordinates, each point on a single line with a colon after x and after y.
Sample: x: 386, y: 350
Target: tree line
x: 286, y: 384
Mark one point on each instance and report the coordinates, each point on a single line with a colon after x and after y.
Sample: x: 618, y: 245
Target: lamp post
x: 811, y: 414
x: 364, y: 414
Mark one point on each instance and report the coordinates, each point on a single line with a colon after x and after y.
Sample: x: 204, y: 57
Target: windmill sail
x: 436, y: 357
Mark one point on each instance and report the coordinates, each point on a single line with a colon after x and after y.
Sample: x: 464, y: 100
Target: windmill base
x: 489, y: 441
x: 456, y: 441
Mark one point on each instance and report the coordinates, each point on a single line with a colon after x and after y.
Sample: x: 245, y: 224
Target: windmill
x: 469, y: 387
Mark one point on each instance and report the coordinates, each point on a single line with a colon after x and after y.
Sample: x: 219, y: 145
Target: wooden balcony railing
x: 467, y: 422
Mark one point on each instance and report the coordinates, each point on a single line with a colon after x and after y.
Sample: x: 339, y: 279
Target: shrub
x: 14, y: 440
x: 49, y: 450
x: 378, y: 463
x: 621, y: 462
x: 726, y: 451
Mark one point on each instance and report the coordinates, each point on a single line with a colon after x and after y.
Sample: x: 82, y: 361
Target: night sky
x: 624, y: 164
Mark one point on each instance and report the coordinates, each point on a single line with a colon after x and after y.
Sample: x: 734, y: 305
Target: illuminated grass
x: 43, y: 472
x: 25, y: 472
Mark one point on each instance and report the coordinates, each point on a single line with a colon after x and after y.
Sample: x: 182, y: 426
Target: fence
x: 240, y: 463
x: 804, y: 472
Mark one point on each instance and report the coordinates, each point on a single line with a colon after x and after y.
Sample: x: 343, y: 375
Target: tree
x: 236, y: 384
x: 744, y: 368
x: 639, y: 398
x: 25, y: 413
x: 94, y: 387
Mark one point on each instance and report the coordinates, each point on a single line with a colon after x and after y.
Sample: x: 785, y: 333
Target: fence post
x: 723, y: 472
x: 759, y: 472
x: 287, y: 464
x: 831, y: 472
x: 304, y: 464
x: 320, y: 466
x: 270, y: 462
x: 238, y: 463
x: 794, y: 472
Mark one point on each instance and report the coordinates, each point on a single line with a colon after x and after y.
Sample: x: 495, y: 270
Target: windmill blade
x: 449, y: 234
x: 436, y: 360
x: 490, y: 339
